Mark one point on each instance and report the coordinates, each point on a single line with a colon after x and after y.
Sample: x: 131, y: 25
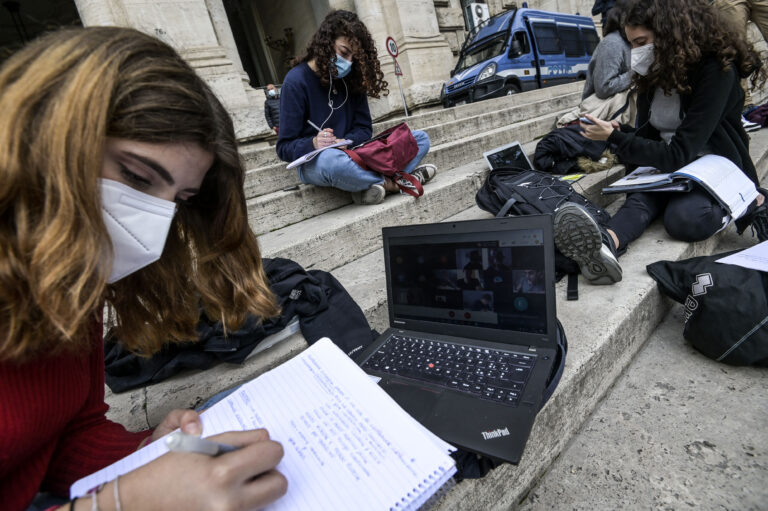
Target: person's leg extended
x: 693, y: 216
x: 333, y: 167
x: 635, y: 215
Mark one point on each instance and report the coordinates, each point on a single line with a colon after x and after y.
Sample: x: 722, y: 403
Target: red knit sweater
x: 53, y: 430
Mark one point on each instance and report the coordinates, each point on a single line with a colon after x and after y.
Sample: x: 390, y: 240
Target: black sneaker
x: 580, y: 237
x: 756, y: 217
x: 424, y: 172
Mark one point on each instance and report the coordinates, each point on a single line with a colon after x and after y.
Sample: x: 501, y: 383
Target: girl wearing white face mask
x: 121, y: 182
x: 687, y: 66
x: 329, y: 86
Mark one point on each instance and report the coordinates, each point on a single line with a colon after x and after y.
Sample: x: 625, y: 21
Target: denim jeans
x: 334, y: 168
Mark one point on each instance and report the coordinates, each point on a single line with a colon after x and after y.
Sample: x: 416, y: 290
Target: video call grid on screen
x: 490, y: 284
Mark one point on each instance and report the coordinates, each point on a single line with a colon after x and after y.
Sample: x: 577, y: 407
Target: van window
x: 546, y: 38
x: 521, y: 37
x: 569, y: 38
x: 482, y: 52
x: 590, y: 39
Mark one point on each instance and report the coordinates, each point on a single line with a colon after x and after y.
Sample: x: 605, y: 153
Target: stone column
x: 200, y: 36
x: 101, y: 12
x: 424, y: 55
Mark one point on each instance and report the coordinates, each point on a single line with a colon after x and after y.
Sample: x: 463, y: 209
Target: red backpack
x: 388, y: 153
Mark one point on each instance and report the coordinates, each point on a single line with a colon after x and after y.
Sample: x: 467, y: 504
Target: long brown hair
x: 61, y: 97
x: 684, y: 31
x: 366, y: 76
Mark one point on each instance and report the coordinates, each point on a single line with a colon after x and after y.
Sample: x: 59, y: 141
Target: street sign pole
x: 400, y: 85
x: 392, y: 50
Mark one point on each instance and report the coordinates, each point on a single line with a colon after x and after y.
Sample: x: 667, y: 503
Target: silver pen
x: 319, y: 129
x: 180, y: 442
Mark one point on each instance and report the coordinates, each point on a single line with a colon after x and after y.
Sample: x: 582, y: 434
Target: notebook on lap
x: 473, y: 332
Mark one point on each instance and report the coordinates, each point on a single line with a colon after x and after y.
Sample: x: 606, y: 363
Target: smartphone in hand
x: 585, y: 120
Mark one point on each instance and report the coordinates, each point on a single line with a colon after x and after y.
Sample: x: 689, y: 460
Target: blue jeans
x: 334, y: 168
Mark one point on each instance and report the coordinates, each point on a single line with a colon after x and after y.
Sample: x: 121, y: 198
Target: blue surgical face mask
x: 343, y: 66
x: 272, y: 93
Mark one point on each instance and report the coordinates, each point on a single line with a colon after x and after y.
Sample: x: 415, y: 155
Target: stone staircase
x: 321, y: 228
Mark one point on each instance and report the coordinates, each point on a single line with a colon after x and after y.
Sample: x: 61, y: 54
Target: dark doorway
x: 22, y: 21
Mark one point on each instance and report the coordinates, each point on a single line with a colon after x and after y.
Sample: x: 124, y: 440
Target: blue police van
x: 520, y: 50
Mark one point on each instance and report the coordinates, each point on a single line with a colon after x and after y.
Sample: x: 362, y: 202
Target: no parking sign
x: 393, y: 51
x: 391, y: 47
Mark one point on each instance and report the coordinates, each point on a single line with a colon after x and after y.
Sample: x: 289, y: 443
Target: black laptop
x: 473, y: 333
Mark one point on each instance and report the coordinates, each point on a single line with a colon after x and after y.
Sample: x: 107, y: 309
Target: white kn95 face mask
x: 641, y: 59
x: 137, y: 224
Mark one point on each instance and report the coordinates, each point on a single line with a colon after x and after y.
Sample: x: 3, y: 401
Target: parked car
x: 520, y: 50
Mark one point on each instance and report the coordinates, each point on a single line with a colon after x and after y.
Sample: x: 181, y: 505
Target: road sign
x: 398, y: 71
x: 391, y: 47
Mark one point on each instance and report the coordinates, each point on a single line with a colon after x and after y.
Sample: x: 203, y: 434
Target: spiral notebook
x: 348, y: 445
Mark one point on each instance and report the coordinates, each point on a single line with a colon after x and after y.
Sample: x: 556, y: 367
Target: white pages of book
x: 304, y: 159
x: 642, y: 176
x: 755, y: 258
x: 724, y: 180
x: 718, y: 175
x: 348, y: 445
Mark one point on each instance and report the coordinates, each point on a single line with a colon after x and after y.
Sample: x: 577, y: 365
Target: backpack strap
x: 408, y: 184
x: 355, y: 158
x: 505, y: 208
x: 557, y: 366
x: 573, y: 287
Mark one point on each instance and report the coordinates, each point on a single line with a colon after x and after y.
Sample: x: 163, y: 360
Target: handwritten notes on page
x: 347, y: 444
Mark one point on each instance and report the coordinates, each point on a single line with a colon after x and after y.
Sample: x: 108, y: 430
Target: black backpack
x: 512, y: 191
x: 725, y: 307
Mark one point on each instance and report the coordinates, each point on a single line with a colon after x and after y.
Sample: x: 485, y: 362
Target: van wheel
x: 511, y: 89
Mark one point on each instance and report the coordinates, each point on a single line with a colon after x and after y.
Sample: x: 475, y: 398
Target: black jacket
x: 711, y: 124
x: 323, y: 306
x: 272, y: 111
x: 559, y: 150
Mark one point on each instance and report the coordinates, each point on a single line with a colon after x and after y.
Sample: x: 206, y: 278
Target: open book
x: 304, y: 159
x: 719, y: 176
x: 348, y: 445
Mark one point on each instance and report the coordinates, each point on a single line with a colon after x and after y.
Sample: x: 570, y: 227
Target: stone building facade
x: 239, y: 46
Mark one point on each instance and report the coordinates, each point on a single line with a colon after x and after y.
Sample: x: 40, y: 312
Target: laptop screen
x: 510, y: 155
x: 492, y: 280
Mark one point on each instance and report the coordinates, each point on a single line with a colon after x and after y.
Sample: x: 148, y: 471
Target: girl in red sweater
x: 121, y: 182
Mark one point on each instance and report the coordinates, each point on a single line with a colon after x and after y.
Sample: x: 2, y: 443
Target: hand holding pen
x: 237, y: 471
x: 324, y: 137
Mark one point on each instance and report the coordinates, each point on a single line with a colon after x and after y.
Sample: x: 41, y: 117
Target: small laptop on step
x: 473, y: 331
x: 508, y: 155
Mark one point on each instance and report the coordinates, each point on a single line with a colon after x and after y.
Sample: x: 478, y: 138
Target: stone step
x: 364, y: 278
x: 275, y: 177
x: 263, y: 155
x: 285, y: 207
x: 671, y: 404
x: 605, y: 327
x: 342, y: 235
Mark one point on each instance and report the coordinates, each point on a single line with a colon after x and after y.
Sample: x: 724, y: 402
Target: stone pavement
x: 677, y: 431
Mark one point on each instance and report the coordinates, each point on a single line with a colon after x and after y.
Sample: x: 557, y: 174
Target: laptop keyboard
x: 490, y: 374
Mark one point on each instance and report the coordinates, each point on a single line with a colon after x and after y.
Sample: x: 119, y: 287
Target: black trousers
x: 688, y: 216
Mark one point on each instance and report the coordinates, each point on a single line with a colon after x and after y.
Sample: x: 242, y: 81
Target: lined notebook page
x: 348, y: 445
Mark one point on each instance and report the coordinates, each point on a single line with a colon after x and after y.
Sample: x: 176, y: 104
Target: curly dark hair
x: 365, y: 76
x: 684, y: 31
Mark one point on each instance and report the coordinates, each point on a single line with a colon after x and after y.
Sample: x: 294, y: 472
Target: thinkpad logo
x: 496, y: 433
x: 703, y: 281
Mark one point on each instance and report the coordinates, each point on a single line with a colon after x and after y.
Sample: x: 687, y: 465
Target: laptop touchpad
x: 417, y: 401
